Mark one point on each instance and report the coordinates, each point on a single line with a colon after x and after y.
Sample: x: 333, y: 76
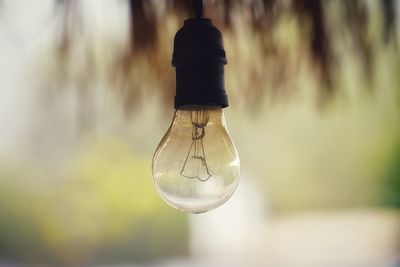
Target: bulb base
x: 199, y: 59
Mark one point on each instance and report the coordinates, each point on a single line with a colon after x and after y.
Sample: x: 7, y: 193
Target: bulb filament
x: 195, y: 166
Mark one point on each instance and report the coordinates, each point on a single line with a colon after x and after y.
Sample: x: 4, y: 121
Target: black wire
x: 198, y: 8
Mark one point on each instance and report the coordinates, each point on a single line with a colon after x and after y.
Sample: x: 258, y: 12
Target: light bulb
x: 196, y: 166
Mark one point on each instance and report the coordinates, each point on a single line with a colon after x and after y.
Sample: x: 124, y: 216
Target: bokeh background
x: 86, y: 93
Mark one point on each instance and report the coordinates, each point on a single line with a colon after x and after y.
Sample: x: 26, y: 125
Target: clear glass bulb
x: 196, y: 167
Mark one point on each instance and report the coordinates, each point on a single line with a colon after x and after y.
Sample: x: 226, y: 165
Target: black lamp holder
x: 199, y: 59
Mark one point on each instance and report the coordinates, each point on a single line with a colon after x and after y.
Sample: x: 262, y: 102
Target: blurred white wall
x: 230, y: 235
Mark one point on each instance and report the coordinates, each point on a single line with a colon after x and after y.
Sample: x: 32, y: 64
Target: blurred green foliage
x: 392, y: 184
x: 104, y: 210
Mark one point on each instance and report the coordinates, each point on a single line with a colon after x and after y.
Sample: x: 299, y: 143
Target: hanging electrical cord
x: 198, y: 8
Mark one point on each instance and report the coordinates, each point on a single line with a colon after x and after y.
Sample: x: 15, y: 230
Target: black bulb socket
x: 199, y: 58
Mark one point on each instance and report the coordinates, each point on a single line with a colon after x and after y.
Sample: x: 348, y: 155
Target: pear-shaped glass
x: 196, y: 166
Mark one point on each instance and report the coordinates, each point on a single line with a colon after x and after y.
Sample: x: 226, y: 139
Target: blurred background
x: 86, y: 93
